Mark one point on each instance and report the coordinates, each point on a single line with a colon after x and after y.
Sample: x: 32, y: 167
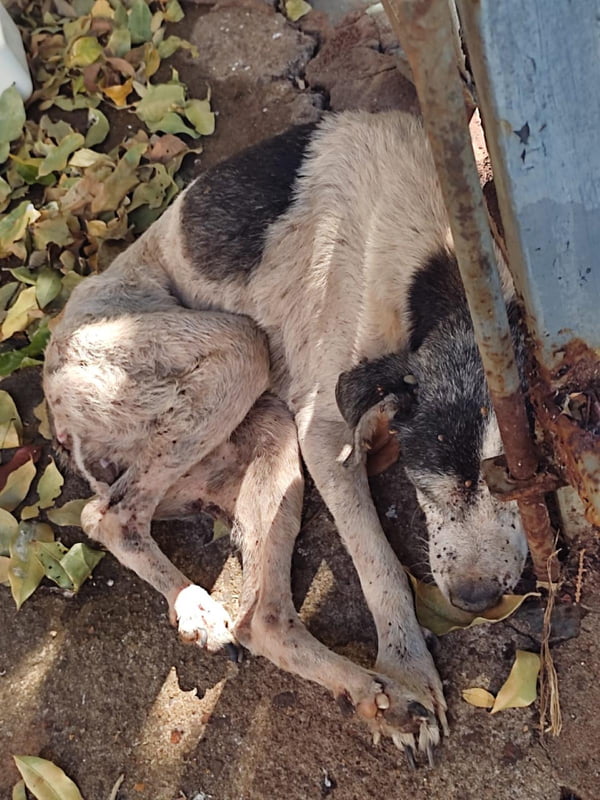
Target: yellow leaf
x: 46, y: 780
x: 69, y: 513
x: 11, y: 427
x: 17, y: 486
x: 84, y: 52
x: 478, y: 697
x: 18, y: 792
x: 440, y: 616
x: 520, y: 688
x: 119, y: 93
x: 20, y: 314
x: 220, y: 529
x: 48, y: 489
x: 199, y: 114
x: 41, y: 414
x: 79, y: 562
x: 9, y: 528
x: 4, y: 562
x: 102, y: 8
x: 296, y: 9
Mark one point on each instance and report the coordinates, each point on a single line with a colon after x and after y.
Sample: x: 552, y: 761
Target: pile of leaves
x: 28, y: 549
x: 71, y: 201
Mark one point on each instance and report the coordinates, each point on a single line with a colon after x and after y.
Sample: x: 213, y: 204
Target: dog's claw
x: 410, y: 757
x: 430, y: 758
x: 234, y: 652
x: 376, y: 738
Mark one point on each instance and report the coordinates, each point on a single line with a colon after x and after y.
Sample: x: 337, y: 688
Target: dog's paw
x: 412, y: 714
x: 203, y: 620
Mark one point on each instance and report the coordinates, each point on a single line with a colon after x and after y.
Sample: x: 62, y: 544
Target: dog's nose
x: 475, y: 594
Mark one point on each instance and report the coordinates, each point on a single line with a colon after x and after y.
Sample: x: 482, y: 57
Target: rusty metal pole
x: 425, y: 31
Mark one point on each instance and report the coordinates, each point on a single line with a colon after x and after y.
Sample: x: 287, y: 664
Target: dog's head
x: 442, y: 416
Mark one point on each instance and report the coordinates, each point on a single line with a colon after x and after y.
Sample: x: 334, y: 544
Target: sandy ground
x: 100, y: 684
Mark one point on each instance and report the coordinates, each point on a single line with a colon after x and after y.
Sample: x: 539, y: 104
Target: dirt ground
x: 100, y: 684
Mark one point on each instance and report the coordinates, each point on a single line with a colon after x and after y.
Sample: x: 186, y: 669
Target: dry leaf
x: 17, y: 486
x: 9, y: 529
x: 45, y: 780
x: 25, y: 571
x: 11, y: 427
x: 520, y: 688
x: 49, y: 488
x: 23, y: 311
x: 478, y: 697
x: 40, y: 412
x: 69, y: 513
x: 295, y: 9
x: 18, y: 792
x: 440, y: 616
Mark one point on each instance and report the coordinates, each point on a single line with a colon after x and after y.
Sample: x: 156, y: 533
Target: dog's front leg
x: 402, y: 653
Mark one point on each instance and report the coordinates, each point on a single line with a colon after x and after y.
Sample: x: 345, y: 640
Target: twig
x: 579, y: 578
x: 550, y: 713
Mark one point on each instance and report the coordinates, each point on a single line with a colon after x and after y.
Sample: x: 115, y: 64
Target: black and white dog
x: 301, y: 298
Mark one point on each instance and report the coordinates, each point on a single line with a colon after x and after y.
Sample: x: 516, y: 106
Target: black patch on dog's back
x: 227, y: 210
x: 436, y: 292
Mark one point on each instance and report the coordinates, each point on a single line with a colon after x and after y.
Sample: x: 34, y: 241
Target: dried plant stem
x: 550, y: 713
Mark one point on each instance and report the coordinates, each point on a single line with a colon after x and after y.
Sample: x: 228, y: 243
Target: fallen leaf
x: 49, y: 554
x: 17, y: 485
x: 4, y: 579
x: 22, y: 312
x: 520, y: 688
x: 25, y: 571
x: 478, y: 697
x: 164, y: 148
x: 440, y: 616
x: 13, y: 227
x: 220, y: 529
x: 119, y: 92
x: 22, y: 455
x: 9, y: 529
x: 40, y: 412
x: 47, y: 287
x: 98, y: 128
x: 84, y: 51
x: 12, y: 116
x: 140, y: 22
x: 79, y: 562
x: 172, y: 123
x: 295, y: 9
x: 160, y: 100
x: 202, y: 118
x: 18, y: 792
x: 69, y: 513
x: 52, y: 230
x: 46, y: 780
x: 11, y: 427
x: 49, y: 488
x: 15, y: 359
x: 57, y: 158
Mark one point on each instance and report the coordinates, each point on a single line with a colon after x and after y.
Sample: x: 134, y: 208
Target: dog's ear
x: 370, y: 382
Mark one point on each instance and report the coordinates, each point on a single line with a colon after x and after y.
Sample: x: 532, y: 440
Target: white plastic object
x: 13, y: 63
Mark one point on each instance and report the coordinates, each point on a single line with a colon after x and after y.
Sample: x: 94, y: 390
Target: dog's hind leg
x: 156, y: 401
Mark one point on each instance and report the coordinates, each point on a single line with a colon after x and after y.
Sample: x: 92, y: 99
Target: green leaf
x: 220, y: 529
x: 519, y: 690
x: 57, y: 158
x: 160, y: 100
x: 140, y: 22
x: 171, y: 123
x: 24, y: 275
x: 84, y: 51
x: 173, y: 11
x: 295, y: 9
x: 12, y: 116
x: 439, y: 616
x: 98, y: 127
x: 119, y: 42
x: 17, y: 485
x: 46, y: 780
x: 40, y: 412
x: 13, y: 227
x: 20, y: 314
x: 14, y: 359
x: 171, y: 44
x: 49, y: 554
x: 18, y: 792
x: 49, y: 488
x: 9, y: 528
x: 69, y: 513
x: 25, y: 571
x: 478, y: 697
x: 11, y: 427
x: 52, y: 230
x: 79, y: 562
x: 48, y: 286
x: 202, y: 118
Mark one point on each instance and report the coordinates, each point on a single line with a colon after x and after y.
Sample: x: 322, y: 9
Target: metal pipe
x: 425, y: 31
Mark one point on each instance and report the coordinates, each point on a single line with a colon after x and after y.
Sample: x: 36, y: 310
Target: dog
x: 299, y: 301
